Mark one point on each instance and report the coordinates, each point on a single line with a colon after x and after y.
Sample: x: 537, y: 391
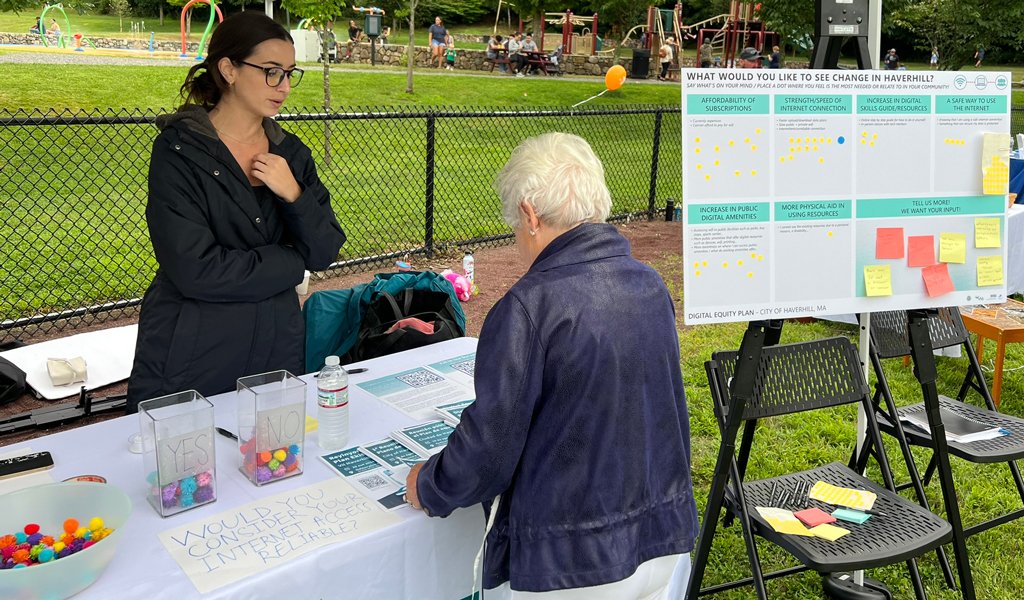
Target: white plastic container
x: 332, y: 398
x: 468, y: 266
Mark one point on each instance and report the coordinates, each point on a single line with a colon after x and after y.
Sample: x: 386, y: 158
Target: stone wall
x: 32, y: 39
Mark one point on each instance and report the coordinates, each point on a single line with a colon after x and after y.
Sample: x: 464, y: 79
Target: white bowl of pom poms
x: 58, y: 564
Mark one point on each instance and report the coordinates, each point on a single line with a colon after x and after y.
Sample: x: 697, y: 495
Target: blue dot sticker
x: 841, y: 140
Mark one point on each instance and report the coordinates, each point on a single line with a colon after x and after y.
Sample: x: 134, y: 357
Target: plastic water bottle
x: 332, y: 396
x: 467, y: 266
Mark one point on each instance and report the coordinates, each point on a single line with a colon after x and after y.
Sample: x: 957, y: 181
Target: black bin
x: 641, y: 63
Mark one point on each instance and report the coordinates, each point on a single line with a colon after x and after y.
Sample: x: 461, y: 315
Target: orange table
x: 1002, y: 323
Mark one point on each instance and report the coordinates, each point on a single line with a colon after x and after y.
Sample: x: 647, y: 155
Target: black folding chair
x: 760, y: 382
x: 889, y: 339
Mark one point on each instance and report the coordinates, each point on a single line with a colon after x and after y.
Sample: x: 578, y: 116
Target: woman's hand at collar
x: 274, y: 171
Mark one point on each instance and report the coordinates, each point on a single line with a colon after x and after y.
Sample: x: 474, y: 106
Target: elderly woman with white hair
x: 578, y: 443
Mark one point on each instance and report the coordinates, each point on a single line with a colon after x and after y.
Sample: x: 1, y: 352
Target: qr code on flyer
x: 373, y: 482
x: 468, y: 367
x: 420, y: 379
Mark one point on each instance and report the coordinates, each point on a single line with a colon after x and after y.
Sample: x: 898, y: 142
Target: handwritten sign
x: 990, y: 270
x: 986, y: 233
x: 889, y: 242
x: 185, y: 455
x: 878, y: 280
x: 953, y: 248
x: 267, y: 533
x: 280, y: 427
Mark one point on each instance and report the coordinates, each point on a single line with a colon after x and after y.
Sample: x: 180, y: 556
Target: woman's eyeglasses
x: 276, y: 75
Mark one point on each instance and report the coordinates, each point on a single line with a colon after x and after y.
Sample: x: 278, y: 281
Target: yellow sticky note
x: 990, y: 270
x: 986, y: 233
x: 953, y: 248
x: 311, y: 424
x: 995, y: 163
x: 878, y: 280
x: 829, y: 532
x: 830, y: 494
x: 783, y: 521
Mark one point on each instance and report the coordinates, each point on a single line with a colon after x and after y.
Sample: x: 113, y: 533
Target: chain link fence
x: 1016, y: 120
x: 73, y: 191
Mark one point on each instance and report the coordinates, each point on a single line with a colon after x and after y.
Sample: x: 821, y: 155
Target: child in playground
x: 449, y: 53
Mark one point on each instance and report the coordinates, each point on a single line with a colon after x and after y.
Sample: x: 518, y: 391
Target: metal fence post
x: 428, y: 237
x: 654, y: 166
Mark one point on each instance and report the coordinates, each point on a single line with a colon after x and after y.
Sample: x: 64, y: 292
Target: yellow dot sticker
x: 699, y: 167
x: 737, y: 173
x: 698, y: 273
x: 791, y: 140
x: 874, y: 137
x: 717, y: 163
x: 753, y: 172
x: 725, y: 265
x: 757, y: 131
x: 782, y: 159
x: 830, y: 234
x: 696, y: 140
x: 815, y: 148
x: 732, y: 143
x: 759, y: 257
x: 753, y: 147
x: 697, y: 150
x: 717, y: 148
x: 871, y: 144
x: 740, y: 263
x: 821, y: 160
x: 704, y: 264
x: 865, y: 134
x: 750, y: 274
x: 707, y: 177
x: 696, y: 265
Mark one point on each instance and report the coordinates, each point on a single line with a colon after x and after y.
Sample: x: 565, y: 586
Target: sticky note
x: 813, y: 517
x: 783, y: 521
x: 311, y: 424
x: 936, y: 280
x: 953, y: 248
x: 889, y: 242
x: 920, y: 250
x: 986, y: 233
x: 995, y: 163
x: 878, y: 280
x: 990, y: 270
x: 830, y: 494
x: 852, y: 516
x: 829, y: 532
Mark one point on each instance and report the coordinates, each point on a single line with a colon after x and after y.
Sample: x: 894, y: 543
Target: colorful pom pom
x: 47, y: 540
x: 35, y: 538
x: 20, y: 538
x: 273, y: 464
x: 7, y: 540
x: 151, y: 479
x: 280, y: 471
x: 188, y: 486
x: 263, y: 474
x: 280, y: 455
x: 80, y: 532
x: 34, y: 552
x: 203, y: 494
x: 294, y: 449
x: 205, y: 478
x: 68, y: 539
x: 96, y: 524
x: 265, y: 457
x: 292, y: 467
x: 21, y: 556
x: 65, y: 552
x: 70, y: 526
x: 187, y: 500
x: 87, y: 544
x: 57, y: 547
x: 31, y: 529
x: 20, y: 566
x: 46, y: 555
x: 289, y: 460
x: 7, y: 552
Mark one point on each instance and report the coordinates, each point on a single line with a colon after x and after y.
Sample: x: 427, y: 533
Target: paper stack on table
x: 452, y: 413
x: 384, y: 484
x: 425, y: 439
x: 830, y: 494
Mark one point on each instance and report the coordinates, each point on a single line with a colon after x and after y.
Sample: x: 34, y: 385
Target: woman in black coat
x: 236, y: 214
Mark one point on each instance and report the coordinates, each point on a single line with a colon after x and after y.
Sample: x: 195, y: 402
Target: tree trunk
x: 120, y: 25
x: 243, y: 5
x: 325, y: 50
x: 410, y: 52
x: 161, y: 13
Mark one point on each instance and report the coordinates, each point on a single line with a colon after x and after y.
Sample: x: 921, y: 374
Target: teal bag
x: 333, y: 316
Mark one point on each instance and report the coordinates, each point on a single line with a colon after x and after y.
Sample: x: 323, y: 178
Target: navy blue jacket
x: 222, y: 304
x: 580, y: 422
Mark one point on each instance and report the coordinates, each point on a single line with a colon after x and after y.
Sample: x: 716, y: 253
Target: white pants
x: 662, y: 578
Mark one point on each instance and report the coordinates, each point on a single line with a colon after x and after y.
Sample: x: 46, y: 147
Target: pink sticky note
x: 936, y: 280
x: 889, y: 242
x: 921, y: 250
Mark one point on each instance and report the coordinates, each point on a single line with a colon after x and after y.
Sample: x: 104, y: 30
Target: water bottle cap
x: 332, y: 361
x: 469, y: 253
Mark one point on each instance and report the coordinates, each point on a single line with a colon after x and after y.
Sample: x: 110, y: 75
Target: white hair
x: 559, y: 175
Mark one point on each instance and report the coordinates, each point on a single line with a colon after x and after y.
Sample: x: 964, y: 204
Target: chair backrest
x: 889, y: 331
x: 794, y: 378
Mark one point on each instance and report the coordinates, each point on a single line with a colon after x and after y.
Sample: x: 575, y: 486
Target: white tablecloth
x: 419, y: 558
x: 1015, y: 250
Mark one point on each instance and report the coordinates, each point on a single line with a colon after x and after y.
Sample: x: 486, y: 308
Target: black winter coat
x: 222, y: 304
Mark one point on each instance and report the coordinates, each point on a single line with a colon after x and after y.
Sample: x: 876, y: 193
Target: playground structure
x: 741, y: 27
x: 214, y: 10
x: 61, y: 43
x: 586, y: 43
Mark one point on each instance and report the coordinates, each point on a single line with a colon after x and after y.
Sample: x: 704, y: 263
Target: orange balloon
x: 615, y: 77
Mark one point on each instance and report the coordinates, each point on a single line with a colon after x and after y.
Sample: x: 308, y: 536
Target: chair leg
x: 748, y: 534
x: 930, y: 470
x: 924, y: 363
x: 975, y: 372
x: 745, y: 443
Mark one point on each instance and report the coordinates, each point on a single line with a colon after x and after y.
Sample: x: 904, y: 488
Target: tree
x: 151, y: 8
x: 410, y: 50
x: 322, y: 12
x: 17, y: 5
x: 959, y: 28
x: 122, y: 9
x: 81, y: 6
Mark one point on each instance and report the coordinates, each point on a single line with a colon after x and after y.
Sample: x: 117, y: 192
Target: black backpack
x: 12, y: 382
x: 373, y: 339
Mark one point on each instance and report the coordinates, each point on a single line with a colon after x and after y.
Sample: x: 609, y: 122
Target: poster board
x: 803, y: 189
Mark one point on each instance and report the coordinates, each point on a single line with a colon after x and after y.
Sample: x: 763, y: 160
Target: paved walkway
x: 44, y: 57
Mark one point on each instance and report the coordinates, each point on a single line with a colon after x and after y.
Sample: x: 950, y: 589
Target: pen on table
x: 349, y: 371
x: 226, y: 433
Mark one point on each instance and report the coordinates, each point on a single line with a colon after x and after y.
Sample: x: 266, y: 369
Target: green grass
x: 76, y: 205
x: 807, y: 440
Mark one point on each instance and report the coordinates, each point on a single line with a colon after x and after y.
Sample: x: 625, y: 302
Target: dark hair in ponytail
x: 236, y: 38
